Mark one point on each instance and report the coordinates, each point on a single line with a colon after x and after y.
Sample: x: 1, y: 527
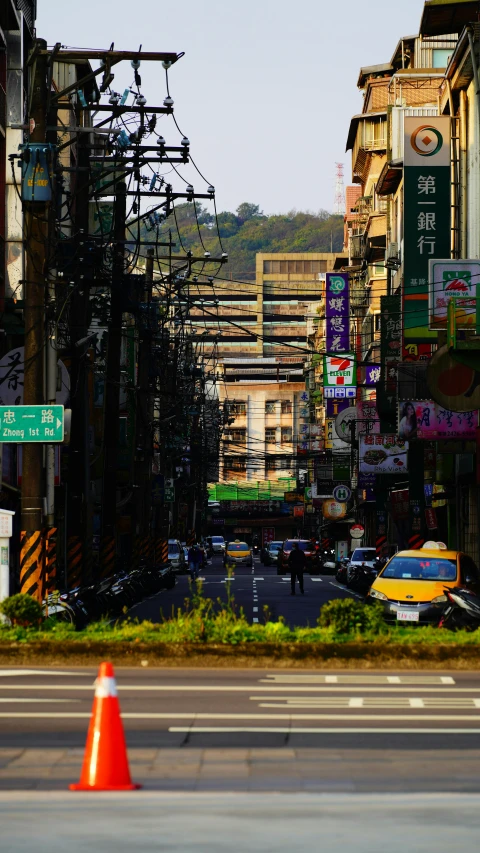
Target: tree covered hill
x: 248, y: 231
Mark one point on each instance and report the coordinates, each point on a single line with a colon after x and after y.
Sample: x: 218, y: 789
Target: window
x: 300, y: 267
x: 271, y: 435
x: 238, y: 408
x: 233, y: 464
x: 286, y: 407
x: 286, y: 434
x: 270, y: 407
x: 236, y: 436
x: 421, y: 568
x: 278, y: 463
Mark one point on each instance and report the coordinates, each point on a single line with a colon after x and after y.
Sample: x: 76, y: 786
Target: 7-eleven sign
x: 339, y: 370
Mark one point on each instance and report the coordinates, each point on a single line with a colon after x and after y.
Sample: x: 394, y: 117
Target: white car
x: 362, y: 557
x: 216, y: 544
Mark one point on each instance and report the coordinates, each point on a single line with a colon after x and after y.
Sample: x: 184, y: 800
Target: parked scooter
x: 341, y: 575
x: 360, y: 578
x: 462, y: 612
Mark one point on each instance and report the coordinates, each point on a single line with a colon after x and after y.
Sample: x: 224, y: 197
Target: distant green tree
x: 246, y: 232
x: 246, y: 211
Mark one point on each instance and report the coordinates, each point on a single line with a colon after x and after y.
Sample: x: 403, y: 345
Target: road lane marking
x: 316, y: 580
x: 12, y: 672
x: 22, y: 700
x: 255, y: 619
x: 322, y: 731
x: 274, y: 678
x: 255, y: 609
x: 344, y: 588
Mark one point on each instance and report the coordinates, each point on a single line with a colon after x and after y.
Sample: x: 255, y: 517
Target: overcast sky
x: 266, y: 88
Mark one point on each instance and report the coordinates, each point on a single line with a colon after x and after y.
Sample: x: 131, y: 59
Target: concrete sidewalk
x: 285, y: 769
x: 217, y: 822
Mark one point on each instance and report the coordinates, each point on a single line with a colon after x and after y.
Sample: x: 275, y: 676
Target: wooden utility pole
x: 143, y: 545
x: 112, y: 389
x: 36, y: 246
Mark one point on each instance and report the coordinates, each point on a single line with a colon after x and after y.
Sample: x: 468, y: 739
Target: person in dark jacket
x: 296, y: 564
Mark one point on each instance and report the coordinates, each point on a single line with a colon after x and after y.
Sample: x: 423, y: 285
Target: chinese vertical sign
x: 337, y: 313
x: 390, y: 355
x: 427, y: 215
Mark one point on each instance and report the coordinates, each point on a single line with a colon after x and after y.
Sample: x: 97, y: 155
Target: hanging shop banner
x: 345, y: 424
x: 390, y: 351
x: 339, y: 377
x: 383, y: 454
x: 426, y: 420
x: 332, y: 509
x: 332, y: 441
x: 372, y: 374
x: 452, y: 384
x: 452, y: 279
x: 12, y: 377
x: 334, y: 407
x: 427, y: 215
x: 367, y: 418
x: 337, y: 313
x: 366, y: 487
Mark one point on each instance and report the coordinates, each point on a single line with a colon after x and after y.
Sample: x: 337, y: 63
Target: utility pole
x: 79, y: 461
x: 37, y: 232
x: 143, y: 421
x: 112, y: 389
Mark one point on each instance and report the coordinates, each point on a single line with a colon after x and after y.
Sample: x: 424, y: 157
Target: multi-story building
x: 265, y: 318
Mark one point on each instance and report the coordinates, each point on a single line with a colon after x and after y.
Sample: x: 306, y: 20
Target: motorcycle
x: 341, y: 571
x: 360, y: 578
x: 462, y: 612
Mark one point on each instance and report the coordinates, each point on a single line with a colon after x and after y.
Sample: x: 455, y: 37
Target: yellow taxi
x: 238, y: 553
x: 411, y: 587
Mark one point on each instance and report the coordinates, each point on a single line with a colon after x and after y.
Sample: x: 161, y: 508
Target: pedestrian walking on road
x: 296, y: 563
x: 194, y: 561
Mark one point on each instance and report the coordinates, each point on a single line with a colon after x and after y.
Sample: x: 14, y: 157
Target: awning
x: 441, y: 17
x: 389, y: 179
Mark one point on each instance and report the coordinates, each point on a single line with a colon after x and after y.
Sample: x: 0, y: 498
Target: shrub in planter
x: 22, y: 610
x: 348, y: 616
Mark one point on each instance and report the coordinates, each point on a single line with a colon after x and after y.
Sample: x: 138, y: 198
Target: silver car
x: 176, y: 556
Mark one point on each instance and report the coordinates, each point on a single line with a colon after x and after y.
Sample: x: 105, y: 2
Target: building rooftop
x: 444, y: 16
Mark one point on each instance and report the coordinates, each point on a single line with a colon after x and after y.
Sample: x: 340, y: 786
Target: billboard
x: 339, y: 377
x: 337, y: 313
x: 448, y: 279
x: 427, y: 215
x: 424, y: 419
x: 383, y: 454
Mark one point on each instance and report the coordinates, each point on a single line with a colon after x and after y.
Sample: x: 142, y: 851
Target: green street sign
x: 169, y: 494
x: 31, y: 424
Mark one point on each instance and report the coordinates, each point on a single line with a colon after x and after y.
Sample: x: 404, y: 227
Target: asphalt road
x: 264, y: 823
x: 252, y: 589
x: 249, y: 730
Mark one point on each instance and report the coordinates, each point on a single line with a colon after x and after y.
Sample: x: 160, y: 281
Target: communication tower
x: 339, y: 204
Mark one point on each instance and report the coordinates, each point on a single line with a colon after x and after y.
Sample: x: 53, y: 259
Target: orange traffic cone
x: 105, y: 765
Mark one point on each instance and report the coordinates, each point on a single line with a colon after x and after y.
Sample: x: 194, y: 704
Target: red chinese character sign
x: 337, y: 313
